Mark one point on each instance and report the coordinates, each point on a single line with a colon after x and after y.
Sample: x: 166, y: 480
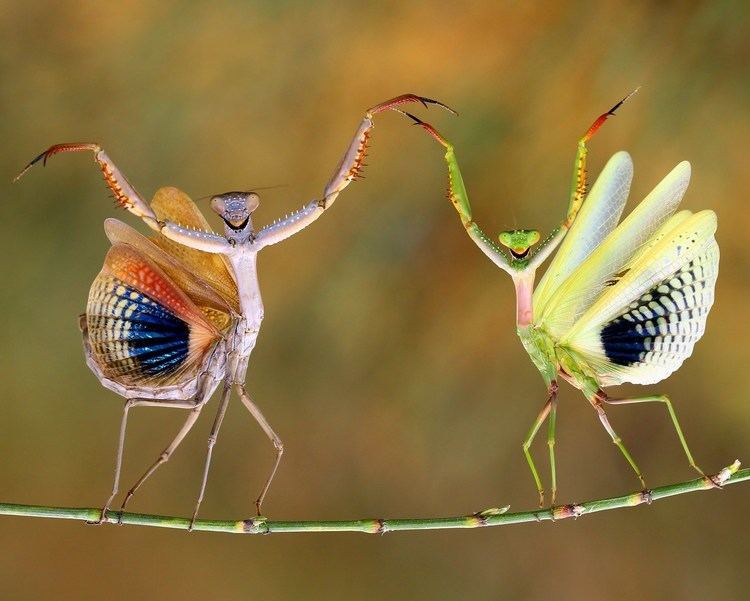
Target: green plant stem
x: 489, y: 517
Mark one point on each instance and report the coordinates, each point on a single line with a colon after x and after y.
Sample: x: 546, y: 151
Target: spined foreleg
x: 349, y: 168
x: 128, y: 198
x: 125, y: 194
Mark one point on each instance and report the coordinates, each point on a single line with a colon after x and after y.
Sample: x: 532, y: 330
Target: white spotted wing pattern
x: 634, y: 309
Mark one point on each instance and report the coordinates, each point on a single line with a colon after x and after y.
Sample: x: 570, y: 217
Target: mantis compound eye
x: 235, y: 207
x: 519, y: 241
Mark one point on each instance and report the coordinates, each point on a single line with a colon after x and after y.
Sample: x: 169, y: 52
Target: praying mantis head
x: 235, y: 208
x: 519, y: 242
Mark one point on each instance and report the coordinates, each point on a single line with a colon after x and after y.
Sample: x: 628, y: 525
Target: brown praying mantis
x: 171, y: 317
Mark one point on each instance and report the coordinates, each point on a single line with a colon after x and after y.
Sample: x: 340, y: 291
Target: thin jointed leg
x: 223, y: 404
x: 121, y: 441
x: 526, y: 445
x: 551, y: 443
x: 278, y: 445
x: 661, y: 399
x: 118, y: 459
x: 596, y: 402
x: 166, y: 454
x: 124, y: 194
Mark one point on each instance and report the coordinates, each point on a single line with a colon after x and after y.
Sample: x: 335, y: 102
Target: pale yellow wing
x: 604, y: 265
x: 645, y: 325
x: 598, y: 217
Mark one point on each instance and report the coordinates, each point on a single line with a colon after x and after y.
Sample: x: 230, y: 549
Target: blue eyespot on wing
x: 647, y: 322
x: 134, y: 336
x: 142, y: 328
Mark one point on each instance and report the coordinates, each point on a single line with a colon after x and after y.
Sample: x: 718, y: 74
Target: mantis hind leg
x: 166, y: 453
x: 596, y: 400
x: 549, y: 406
x: 129, y: 404
x: 670, y: 409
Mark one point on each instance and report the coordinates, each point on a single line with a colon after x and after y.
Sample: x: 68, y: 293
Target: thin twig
x: 489, y: 517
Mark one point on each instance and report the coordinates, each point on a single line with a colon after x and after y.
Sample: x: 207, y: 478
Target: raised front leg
x: 458, y: 196
x: 125, y: 194
x: 460, y: 199
x: 578, y: 187
x: 128, y: 198
x: 349, y: 169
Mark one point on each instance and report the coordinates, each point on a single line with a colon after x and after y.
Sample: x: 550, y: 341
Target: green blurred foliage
x: 388, y: 360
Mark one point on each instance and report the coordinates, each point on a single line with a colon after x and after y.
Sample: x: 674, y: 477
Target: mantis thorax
x: 541, y: 349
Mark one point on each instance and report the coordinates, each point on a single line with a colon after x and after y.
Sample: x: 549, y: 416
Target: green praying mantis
x: 173, y: 317
x: 618, y: 303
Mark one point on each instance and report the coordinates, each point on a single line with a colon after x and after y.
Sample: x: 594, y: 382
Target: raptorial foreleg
x: 128, y: 198
x: 460, y: 199
x: 580, y: 182
x: 458, y: 196
x: 125, y: 194
x: 349, y: 168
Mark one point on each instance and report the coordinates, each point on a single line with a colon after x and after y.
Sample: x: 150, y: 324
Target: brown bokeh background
x: 388, y: 360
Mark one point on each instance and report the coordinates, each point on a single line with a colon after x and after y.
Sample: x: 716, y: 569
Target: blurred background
x: 388, y: 360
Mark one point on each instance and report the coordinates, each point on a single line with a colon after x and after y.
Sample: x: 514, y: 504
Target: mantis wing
x: 142, y: 327
x: 216, y: 308
x: 171, y: 204
x: 600, y: 269
x: 642, y: 328
x: 600, y: 213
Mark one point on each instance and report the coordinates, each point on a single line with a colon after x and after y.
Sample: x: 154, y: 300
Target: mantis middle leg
x: 551, y: 424
x: 549, y: 406
x: 275, y: 440
x: 596, y: 402
x: 223, y: 404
